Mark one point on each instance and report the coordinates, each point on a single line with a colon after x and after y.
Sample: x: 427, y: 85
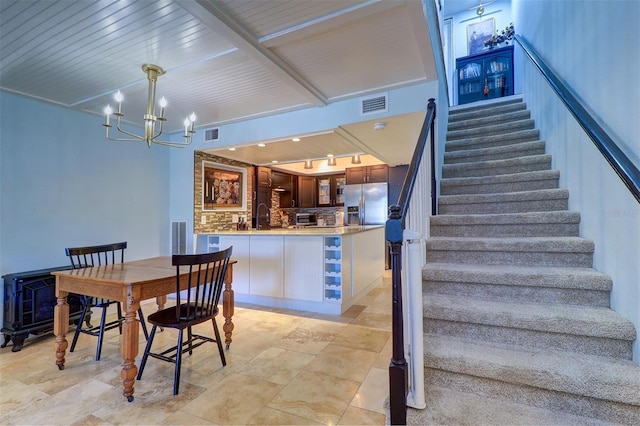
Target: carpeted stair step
x: 517, y: 150
x: 571, y: 328
x: 516, y: 182
x: 535, y: 284
x: 479, y: 122
x: 531, y: 163
x: 451, y: 407
x: 490, y: 130
x: 525, y: 201
x: 529, y: 251
x: 602, y: 388
x: 532, y: 224
x: 469, y: 112
x: 490, y: 141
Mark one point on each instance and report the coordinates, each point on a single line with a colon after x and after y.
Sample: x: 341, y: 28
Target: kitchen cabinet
x: 263, y: 196
x: 396, y: 180
x: 303, y: 276
x: 367, y: 174
x: 331, y: 190
x: 286, y: 186
x: 306, y: 191
x: 266, y: 267
x: 324, y: 270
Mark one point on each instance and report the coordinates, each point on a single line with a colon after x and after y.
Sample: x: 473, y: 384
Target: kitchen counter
x: 323, y: 269
x: 307, y: 230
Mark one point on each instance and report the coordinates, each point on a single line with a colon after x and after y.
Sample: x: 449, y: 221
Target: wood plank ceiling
x: 229, y: 60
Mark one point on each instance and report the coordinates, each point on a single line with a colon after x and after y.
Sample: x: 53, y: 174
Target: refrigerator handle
x: 362, y: 216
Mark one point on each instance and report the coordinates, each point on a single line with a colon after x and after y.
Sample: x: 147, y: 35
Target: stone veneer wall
x: 217, y: 220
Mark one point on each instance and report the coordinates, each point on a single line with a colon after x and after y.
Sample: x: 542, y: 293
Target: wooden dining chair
x: 198, y: 295
x: 85, y: 257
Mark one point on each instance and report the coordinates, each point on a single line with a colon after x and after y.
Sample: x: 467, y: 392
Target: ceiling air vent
x: 211, y: 135
x: 374, y: 104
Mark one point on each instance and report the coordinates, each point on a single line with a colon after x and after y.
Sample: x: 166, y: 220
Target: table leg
x: 161, y: 301
x: 227, y: 308
x: 61, y: 327
x: 129, y: 346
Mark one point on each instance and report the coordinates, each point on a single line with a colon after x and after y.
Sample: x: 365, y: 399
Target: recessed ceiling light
x: 296, y: 139
x: 329, y: 155
x: 232, y: 149
x: 261, y: 145
x: 379, y: 126
x: 274, y: 161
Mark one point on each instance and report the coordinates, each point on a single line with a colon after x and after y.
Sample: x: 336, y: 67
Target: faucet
x: 258, y: 214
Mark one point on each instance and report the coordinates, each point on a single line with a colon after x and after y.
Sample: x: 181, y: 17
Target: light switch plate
x: 234, y: 218
x: 203, y: 220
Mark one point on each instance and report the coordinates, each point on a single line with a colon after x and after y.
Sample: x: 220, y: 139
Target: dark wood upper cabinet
x: 286, y: 185
x: 306, y: 191
x: 367, y: 174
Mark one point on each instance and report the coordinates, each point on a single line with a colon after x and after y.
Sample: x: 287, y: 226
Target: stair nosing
x: 524, y: 366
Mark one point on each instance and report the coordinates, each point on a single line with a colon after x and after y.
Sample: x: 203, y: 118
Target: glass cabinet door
x: 340, y: 184
x: 324, y: 191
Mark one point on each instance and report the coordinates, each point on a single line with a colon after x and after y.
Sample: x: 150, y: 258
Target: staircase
x: 518, y: 328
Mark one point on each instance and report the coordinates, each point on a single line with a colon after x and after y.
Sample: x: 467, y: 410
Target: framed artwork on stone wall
x: 224, y: 187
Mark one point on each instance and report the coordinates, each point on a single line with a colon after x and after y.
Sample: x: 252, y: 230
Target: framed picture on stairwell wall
x: 478, y: 33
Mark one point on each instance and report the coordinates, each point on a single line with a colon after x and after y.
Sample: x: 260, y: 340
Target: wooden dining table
x: 129, y: 283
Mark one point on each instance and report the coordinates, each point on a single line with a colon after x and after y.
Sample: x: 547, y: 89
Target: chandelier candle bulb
x: 107, y: 112
x: 119, y: 98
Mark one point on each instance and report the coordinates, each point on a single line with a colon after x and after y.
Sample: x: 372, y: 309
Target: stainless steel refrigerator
x: 365, y: 204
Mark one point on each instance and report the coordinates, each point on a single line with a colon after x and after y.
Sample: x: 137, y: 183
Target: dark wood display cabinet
x: 485, y: 75
x: 368, y: 174
x: 331, y: 190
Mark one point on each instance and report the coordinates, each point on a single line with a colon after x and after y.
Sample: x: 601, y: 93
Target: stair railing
x: 394, y: 229
x: 618, y: 160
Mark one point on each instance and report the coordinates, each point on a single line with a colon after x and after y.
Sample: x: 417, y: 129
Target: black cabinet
x: 331, y: 190
x: 397, y: 176
x: 485, y: 75
x: 29, y: 301
x: 368, y: 174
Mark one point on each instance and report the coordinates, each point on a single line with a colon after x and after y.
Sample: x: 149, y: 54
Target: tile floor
x: 283, y: 368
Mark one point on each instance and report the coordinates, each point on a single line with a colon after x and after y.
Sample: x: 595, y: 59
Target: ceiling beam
x: 214, y: 17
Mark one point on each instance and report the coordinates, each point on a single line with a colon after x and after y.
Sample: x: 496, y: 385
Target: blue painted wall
x: 62, y: 184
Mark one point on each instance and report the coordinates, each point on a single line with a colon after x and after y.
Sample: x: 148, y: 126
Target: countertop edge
x: 339, y: 230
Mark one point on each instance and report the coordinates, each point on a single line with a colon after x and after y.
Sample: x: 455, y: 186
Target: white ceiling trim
x: 328, y: 22
x: 211, y: 15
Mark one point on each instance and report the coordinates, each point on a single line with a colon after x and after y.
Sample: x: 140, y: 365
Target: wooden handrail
x: 394, y: 228
x: 618, y: 160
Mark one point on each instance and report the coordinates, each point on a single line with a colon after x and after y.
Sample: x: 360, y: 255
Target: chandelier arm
x: 137, y: 138
x: 159, y: 132
x: 173, y: 144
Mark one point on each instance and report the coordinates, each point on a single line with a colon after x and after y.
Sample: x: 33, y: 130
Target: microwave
x: 306, y: 219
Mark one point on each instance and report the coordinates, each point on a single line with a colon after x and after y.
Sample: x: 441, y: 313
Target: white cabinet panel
x: 368, y: 258
x: 304, y: 266
x: 267, y: 265
x: 240, y: 253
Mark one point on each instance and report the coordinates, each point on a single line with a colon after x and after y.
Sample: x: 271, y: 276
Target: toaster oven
x: 306, y: 219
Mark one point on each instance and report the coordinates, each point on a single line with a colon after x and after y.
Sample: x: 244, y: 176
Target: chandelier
x: 151, y: 132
